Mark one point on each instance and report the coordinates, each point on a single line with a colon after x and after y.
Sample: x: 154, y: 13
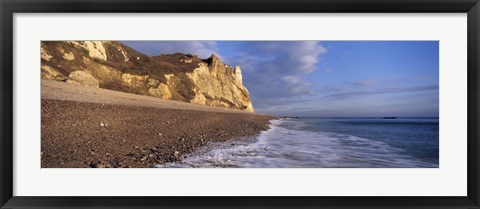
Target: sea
x: 410, y: 142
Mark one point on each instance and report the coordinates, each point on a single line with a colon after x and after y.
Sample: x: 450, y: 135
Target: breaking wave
x: 288, y: 145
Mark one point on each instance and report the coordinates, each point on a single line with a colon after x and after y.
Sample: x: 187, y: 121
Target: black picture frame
x: 9, y: 7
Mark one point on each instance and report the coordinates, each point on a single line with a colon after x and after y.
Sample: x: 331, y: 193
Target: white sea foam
x: 286, y: 145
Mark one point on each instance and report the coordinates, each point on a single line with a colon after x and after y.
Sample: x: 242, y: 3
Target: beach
x: 91, y: 127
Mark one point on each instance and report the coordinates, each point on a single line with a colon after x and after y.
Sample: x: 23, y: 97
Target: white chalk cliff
x: 112, y: 65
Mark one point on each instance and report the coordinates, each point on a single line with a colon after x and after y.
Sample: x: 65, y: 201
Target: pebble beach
x: 88, y: 127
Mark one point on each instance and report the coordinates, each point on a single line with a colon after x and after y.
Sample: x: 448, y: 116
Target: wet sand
x: 91, y: 127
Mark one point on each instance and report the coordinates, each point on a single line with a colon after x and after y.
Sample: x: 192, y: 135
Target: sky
x: 327, y: 78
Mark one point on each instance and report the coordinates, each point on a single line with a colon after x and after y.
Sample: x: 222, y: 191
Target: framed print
x: 265, y: 104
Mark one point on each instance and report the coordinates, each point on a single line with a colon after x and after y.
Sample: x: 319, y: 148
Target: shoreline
x: 206, y: 149
x: 86, y: 127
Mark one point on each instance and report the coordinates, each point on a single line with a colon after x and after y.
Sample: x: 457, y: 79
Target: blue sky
x: 327, y: 78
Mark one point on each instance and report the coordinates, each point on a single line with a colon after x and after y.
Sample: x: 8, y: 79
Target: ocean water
x: 328, y: 143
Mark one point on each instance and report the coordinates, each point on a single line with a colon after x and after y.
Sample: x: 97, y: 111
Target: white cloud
x: 308, y: 55
x: 275, y: 69
x: 291, y: 79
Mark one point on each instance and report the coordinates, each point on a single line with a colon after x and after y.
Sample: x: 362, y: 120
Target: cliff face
x: 112, y: 65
